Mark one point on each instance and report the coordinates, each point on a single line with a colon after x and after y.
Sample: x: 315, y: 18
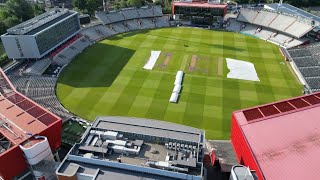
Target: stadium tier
x: 40, y: 35
x: 69, y: 52
x: 42, y: 90
x: 306, y: 61
x: 286, y: 24
x: 99, y: 32
x: 128, y: 14
x: 20, y: 122
x: 38, y: 67
x: 266, y: 33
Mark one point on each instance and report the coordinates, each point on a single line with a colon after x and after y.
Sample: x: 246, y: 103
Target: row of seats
x: 128, y: 14
x: 96, y: 33
x: 66, y: 55
x: 307, y: 60
x: 38, y: 67
x: 264, y: 33
x: 276, y: 21
x: 41, y: 89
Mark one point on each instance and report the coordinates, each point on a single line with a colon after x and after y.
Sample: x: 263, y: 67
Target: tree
x: 87, y: 6
x: 3, y: 27
x: 37, y: 9
x: 17, y: 11
x: 11, y: 21
x: 18, y: 8
x: 135, y: 3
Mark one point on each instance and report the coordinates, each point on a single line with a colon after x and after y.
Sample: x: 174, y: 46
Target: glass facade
x: 54, y: 35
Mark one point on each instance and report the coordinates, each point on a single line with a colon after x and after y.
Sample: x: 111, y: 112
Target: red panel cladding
x: 269, y: 110
x: 53, y: 133
x: 242, y: 149
x: 12, y: 163
x: 252, y: 114
x: 298, y: 103
x: 312, y: 99
x: 284, y: 106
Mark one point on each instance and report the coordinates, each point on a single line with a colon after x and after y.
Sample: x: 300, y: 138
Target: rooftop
x: 40, y: 22
x: 130, y: 141
x: 284, y: 137
x: 199, y: 4
x: 289, y: 9
x: 150, y: 127
x: 20, y: 117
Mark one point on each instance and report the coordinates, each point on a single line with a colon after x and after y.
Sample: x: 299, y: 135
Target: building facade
x: 200, y: 12
x: 40, y: 35
x: 133, y: 148
x: 279, y: 140
x: 28, y: 132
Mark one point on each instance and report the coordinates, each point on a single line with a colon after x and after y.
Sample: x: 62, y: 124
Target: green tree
x: 3, y: 28
x: 87, y: 6
x: 18, y: 8
x: 38, y: 9
x: 11, y: 21
x: 135, y: 3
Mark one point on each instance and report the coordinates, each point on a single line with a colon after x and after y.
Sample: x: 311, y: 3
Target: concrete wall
x: 130, y: 167
x: 29, y: 48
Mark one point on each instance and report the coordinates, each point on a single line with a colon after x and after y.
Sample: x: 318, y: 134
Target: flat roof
x: 70, y: 167
x: 199, y: 4
x: 289, y: 9
x: 284, y: 137
x: 150, y: 127
x: 21, y: 117
x: 40, y: 22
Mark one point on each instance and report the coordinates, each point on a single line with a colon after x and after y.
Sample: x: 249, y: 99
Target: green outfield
x: 108, y: 78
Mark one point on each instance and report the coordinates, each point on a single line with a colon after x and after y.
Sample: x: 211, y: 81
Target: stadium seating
x: 157, y: 11
x: 264, y: 33
x: 311, y: 71
x: 38, y: 67
x: 314, y: 83
x: 233, y: 25
x: 65, y: 56
x: 284, y: 23
x: 249, y: 29
x: 120, y: 28
x: 162, y: 22
x: 299, y: 52
x: 307, y: 60
x: 42, y: 90
x: 247, y: 15
x: 91, y: 33
x: 298, y: 29
x: 130, y: 13
x: 103, y: 17
x: 148, y: 23
x: 133, y: 25
x: 264, y: 18
x: 145, y: 12
x: 281, y: 22
x: 115, y: 17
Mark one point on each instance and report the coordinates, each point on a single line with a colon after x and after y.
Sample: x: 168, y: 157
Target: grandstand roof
x: 40, y: 22
x: 198, y: 4
x: 284, y: 137
x: 20, y: 117
x: 289, y: 9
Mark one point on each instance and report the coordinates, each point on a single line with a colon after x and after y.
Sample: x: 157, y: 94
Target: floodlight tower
x: 280, y: 4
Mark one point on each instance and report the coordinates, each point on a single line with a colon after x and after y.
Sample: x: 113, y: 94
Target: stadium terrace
x: 137, y: 93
